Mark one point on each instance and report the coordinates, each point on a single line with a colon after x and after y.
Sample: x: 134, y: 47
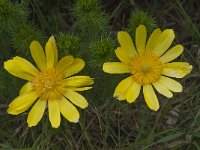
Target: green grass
x: 108, y: 123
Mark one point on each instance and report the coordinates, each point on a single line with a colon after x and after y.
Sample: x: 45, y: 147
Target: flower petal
x: 68, y: 110
x: 24, y: 101
x: 80, y: 89
x: 164, y: 41
x: 171, y: 84
x: 37, y: 53
x: 150, y: 97
x: 122, y: 88
x: 55, y: 50
x: 162, y: 89
x: 77, y: 65
x: 123, y: 54
x: 36, y: 113
x: 115, y: 67
x: 51, y: 53
x: 13, y: 69
x: 133, y: 92
x: 76, y: 98
x: 64, y: 63
x: 126, y: 43
x: 177, y: 69
x: 21, y: 68
x: 26, y: 88
x: 153, y: 39
x: 25, y: 65
x: 17, y: 112
x: 172, y: 54
x: 78, y: 81
x: 54, y: 113
x: 140, y: 38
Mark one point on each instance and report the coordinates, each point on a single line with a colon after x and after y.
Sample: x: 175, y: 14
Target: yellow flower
x: 149, y: 64
x: 50, y: 85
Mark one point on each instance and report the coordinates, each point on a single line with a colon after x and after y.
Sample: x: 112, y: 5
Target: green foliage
x: 139, y: 17
x: 24, y: 35
x: 5, y: 45
x: 83, y: 29
x: 68, y: 44
x: 100, y: 52
x: 2, y: 82
x: 90, y: 19
x: 56, y: 22
x: 11, y: 15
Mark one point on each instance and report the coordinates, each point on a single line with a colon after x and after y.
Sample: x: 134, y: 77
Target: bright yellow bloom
x: 50, y: 85
x: 149, y: 64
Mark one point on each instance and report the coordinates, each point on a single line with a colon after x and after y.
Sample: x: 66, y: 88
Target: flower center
x: 146, y: 68
x: 47, y: 83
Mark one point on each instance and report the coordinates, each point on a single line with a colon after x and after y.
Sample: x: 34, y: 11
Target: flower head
x: 149, y: 65
x: 49, y: 85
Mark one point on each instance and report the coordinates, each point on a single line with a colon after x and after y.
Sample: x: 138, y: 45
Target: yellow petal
x: 80, y: 89
x: 164, y: 41
x: 51, y: 53
x: 150, y: 97
x: 172, y: 54
x: 54, y: 113
x: 68, y: 110
x: 25, y: 66
x: 171, y: 84
x: 37, y: 53
x: 133, y: 92
x: 177, y: 69
x: 162, y: 89
x: 23, y: 101
x: 153, y: 39
x: 126, y: 43
x: 140, y: 38
x: 76, y: 99
x: 77, y: 65
x: 124, y: 55
x: 21, y: 68
x: 115, y: 68
x: 36, y: 113
x: 122, y: 88
x: 55, y: 50
x: 78, y: 81
x: 27, y: 87
x: 17, y: 112
x: 13, y: 69
x: 64, y: 63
